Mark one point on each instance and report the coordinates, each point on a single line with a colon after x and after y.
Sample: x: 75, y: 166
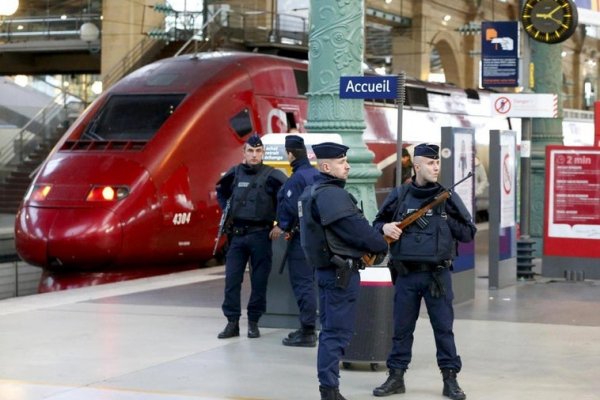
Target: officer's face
x: 426, y: 169
x: 337, y: 167
x: 253, y: 155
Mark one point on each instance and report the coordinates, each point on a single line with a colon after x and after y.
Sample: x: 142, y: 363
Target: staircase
x: 23, y: 154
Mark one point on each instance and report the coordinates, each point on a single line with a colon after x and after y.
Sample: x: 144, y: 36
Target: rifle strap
x: 402, y: 192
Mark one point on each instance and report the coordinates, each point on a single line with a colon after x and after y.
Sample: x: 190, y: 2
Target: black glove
x: 379, y: 258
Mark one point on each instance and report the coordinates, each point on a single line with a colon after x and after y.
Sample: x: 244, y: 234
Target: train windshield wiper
x: 90, y: 132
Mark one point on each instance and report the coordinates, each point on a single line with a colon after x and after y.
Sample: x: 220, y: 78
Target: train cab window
x: 301, y: 81
x: 132, y: 117
x: 416, y: 97
x: 241, y: 123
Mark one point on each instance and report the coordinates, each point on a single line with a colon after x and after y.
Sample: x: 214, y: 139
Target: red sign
x: 572, y: 223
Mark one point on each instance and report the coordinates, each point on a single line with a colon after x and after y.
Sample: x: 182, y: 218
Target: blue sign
x: 369, y: 87
x: 500, y: 54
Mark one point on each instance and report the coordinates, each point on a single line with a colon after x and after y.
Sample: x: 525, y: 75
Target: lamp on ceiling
x: 89, y: 32
x: 8, y: 7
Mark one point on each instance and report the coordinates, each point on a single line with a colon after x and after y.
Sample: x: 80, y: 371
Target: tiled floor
x: 155, y: 339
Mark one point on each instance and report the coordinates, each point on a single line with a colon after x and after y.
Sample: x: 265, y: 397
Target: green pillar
x: 336, y: 40
x: 546, y: 59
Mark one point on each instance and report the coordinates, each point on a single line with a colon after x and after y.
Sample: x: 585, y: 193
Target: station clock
x: 549, y: 21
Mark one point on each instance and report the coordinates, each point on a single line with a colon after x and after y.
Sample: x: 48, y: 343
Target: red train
x: 131, y: 184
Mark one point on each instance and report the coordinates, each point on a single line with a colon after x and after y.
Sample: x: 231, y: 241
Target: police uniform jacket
x: 287, y: 199
x: 225, y: 189
x: 336, y: 209
x: 454, y: 216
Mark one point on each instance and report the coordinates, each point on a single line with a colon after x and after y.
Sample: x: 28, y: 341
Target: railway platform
x: 156, y: 339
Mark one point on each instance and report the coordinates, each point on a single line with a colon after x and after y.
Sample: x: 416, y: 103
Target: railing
x: 131, y: 61
x: 199, y: 34
x: 48, y: 27
x: 253, y: 27
x: 39, y: 128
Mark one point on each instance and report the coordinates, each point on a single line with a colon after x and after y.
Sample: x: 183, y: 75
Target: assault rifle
x: 222, y: 224
x: 417, y: 215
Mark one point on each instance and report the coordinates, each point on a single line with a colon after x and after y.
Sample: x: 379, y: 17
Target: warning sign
x: 525, y: 105
x: 502, y: 105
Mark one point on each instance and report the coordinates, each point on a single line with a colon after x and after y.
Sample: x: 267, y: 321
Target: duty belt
x: 244, y: 230
x: 408, y: 267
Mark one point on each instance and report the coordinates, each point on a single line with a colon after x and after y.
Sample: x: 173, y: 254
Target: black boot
x: 330, y: 393
x: 232, y: 329
x: 394, y: 384
x: 253, y: 331
x: 451, y: 388
x: 305, y: 337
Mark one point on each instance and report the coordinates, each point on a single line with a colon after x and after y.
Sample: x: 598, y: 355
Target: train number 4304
x: 182, y: 218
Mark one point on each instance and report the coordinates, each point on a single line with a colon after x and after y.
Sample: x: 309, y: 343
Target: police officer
x: 421, y: 260
x: 251, y: 187
x: 334, y: 235
x: 302, y: 274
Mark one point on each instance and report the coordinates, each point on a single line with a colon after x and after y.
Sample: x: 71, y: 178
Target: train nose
x: 82, y: 237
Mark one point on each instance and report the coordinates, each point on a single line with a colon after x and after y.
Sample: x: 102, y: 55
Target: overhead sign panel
x: 500, y: 54
x: 369, y: 87
x: 525, y: 105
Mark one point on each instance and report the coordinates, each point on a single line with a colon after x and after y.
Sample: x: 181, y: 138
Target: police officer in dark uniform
x: 302, y: 274
x: 251, y: 187
x: 421, y: 261
x: 335, y: 235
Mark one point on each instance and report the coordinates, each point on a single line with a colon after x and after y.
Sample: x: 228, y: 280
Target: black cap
x: 330, y: 150
x: 427, y: 150
x: 294, y: 142
x: 254, y: 141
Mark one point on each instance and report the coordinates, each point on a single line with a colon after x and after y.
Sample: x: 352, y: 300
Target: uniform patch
x: 289, y: 193
x: 243, y: 184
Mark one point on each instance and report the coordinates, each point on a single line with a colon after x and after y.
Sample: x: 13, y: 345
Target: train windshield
x: 132, y: 117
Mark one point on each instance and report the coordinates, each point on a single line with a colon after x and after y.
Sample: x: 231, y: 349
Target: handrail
x: 193, y: 38
x: 127, y: 62
x: 25, y: 136
x: 46, y: 26
x: 284, y: 29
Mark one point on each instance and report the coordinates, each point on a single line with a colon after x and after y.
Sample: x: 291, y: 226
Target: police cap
x: 427, y: 150
x: 254, y: 141
x: 294, y: 142
x: 330, y: 150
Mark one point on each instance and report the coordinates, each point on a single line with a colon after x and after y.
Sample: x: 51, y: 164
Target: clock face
x: 549, y: 21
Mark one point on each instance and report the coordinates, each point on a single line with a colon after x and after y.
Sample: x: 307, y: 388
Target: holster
x: 344, y: 270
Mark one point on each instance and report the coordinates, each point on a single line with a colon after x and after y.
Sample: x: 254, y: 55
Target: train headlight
x: 38, y: 192
x: 107, y: 193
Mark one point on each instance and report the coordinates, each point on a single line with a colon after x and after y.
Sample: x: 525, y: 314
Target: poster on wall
x: 463, y: 162
x: 508, y: 184
x: 574, y: 193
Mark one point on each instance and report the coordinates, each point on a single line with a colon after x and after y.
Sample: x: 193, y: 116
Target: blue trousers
x: 409, y: 290
x: 255, y: 247
x: 302, y: 279
x: 337, y: 316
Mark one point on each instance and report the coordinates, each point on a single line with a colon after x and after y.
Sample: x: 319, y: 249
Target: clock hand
x: 554, y: 19
x: 553, y: 11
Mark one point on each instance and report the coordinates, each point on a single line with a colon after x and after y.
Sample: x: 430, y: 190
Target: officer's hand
x: 392, y: 231
x: 288, y: 236
x: 275, y: 233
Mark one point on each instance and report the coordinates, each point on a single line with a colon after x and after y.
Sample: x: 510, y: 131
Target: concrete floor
x: 155, y: 339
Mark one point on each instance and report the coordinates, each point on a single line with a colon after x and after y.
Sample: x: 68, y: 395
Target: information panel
x: 573, y: 201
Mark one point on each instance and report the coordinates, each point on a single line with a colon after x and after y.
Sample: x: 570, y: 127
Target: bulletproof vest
x: 432, y: 243
x: 312, y: 235
x: 250, y: 200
